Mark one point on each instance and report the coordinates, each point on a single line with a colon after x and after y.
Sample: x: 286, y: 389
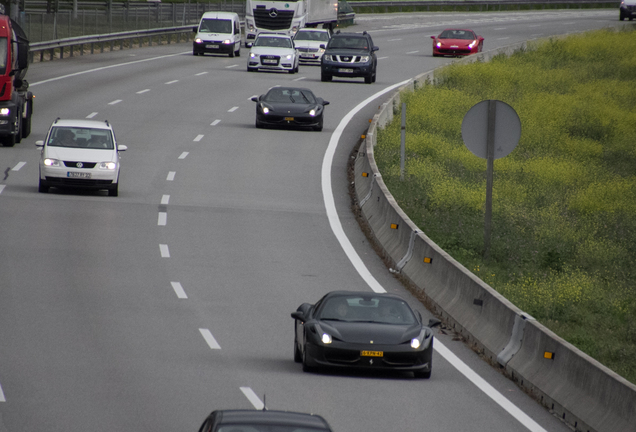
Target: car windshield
x: 349, y: 42
x: 367, y: 309
x: 267, y: 428
x: 215, y: 26
x: 312, y: 36
x: 457, y: 34
x: 80, y: 137
x: 297, y: 96
x: 273, y: 42
x: 3, y: 55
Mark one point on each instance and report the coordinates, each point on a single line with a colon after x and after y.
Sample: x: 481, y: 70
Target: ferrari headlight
x: 326, y: 338
x: 438, y: 44
x: 198, y: 40
x: 415, y: 343
x: 107, y: 165
x: 265, y: 110
x: 5, y: 111
x: 312, y: 112
x: 472, y: 44
x: 52, y: 162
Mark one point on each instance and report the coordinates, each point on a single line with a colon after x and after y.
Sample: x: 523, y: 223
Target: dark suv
x: 350, y: 55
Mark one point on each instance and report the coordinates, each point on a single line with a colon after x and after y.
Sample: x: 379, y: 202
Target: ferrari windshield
x: 378, y: 309
x: 458, y: 34
x: 298, y: 96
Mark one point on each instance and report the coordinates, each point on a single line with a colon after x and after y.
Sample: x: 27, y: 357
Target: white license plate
x: 307, y: 55
x: 212, y: 46
x: 269, y: 61
x: 345, y: 70
x: 78, y: 175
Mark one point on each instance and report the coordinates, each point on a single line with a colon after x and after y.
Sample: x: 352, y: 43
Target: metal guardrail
x: 467, y: 4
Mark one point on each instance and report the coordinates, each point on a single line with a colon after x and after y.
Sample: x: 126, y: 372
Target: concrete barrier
x: 584, y: 393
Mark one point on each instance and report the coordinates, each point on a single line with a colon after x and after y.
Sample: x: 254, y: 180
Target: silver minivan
x: 218, y: 33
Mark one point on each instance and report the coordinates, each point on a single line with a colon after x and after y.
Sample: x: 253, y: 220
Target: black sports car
x: 289, y: 106
x: 263, y: 421
x: 363, y: 330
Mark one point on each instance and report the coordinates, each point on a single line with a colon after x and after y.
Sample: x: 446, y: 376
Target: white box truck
x: 287, y: 16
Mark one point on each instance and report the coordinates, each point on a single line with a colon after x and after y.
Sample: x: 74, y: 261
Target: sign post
x: 491, y: 130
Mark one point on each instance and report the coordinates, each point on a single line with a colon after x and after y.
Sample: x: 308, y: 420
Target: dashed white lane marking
x: 18, y: 166
x: 171, y: 175
x: 200, y: 73
x: 2, y: 188
x: 232, y: 109
x: 215, y: 122
x: 91, y: 115
x: 198, y: 138
x: 165, y: 253
x: 172, y: 82
x: 178, y: 289
x: 143, y: 91
x: 209, y: 339
x: 251, y: 396
x: 115, y: 102
x: 2, y: 399
x: 231, y: 66
x: 382, y: 58
x: 184, y: 155
x: 345, y: 243
x: 165, y: 199
x: 500, y: 28
x: 504, y: 38
x: 300, y: 78
x: 393, y: 40
x: 162, y: 219
x: 412, y: 52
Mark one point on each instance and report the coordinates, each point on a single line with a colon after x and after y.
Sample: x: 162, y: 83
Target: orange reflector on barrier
x: 548, y: 355
x: 428, y: 260
x: 365, y: 174
x: 394, y: 226
x: 363, y: 136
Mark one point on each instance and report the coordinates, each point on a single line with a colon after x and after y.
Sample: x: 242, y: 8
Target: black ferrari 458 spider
x: 363, y: 330
x: 289, y: 106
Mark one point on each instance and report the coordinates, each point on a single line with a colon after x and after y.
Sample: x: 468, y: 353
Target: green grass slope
x: 563, y: 245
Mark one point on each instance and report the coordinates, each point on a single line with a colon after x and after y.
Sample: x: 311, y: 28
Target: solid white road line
x: 209, y: 339
x: 251, y: 396
x: 178, y: 289
x: 162, y: 219
x: 198, y: 138
x: 165, y: 253
x: 18, y: 166
x: 336, y: 226
x: 171, y: 175
x: 184, y: 155
x: 91, y: 115
x: 165, y: 199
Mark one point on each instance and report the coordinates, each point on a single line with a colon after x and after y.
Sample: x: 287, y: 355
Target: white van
x: 218, y: 33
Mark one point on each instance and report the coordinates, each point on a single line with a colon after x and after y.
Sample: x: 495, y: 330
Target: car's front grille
x: 348, y: 59
x: 453, y: 51
x: 270, y: 60
x: 307, y: 50
x: 76, y: 164
x: 273, y: 19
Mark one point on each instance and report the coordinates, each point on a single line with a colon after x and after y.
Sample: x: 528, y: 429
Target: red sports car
x: 457, y: 42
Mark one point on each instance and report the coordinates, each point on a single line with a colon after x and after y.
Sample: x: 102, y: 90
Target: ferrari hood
x: 364, y: 333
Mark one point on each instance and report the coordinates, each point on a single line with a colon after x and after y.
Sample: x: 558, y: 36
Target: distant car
x: 273, y: 52
x: 457, y: 42
x: 627, y: 10
x: 350, y: 55
x: 80, y: 154
x: 308, y: 41
x: 263, y: 421
x: 290, y: 106
x: 363, y: 330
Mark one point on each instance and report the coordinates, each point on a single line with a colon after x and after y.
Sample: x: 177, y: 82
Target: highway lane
x: 107, y: 304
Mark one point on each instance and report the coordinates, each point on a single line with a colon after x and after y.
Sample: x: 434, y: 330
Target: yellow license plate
x: 371, y: 353
x: 289, y: 119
